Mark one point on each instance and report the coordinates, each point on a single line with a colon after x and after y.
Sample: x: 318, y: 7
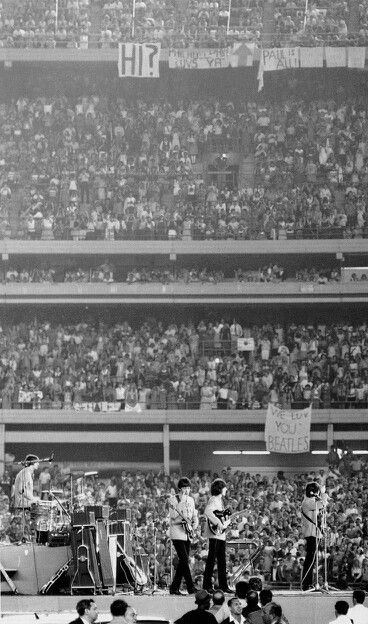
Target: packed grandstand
x: 114, y: 185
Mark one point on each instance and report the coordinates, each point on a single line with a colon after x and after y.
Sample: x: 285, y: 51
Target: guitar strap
x: 311, y: 521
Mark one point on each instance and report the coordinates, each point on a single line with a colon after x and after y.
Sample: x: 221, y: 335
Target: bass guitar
x: 225, y: 516
x: 184, y: 522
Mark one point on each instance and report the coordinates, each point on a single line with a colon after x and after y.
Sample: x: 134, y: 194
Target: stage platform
x: 299, y: 607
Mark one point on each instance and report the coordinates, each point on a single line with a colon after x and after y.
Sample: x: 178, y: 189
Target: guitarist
x: 313, y: 502
x: 183, y: 521
x: 217, y: 543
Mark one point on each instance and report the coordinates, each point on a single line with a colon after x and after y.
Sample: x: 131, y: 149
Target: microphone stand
x: 326, y: 587
x: 155, y: 589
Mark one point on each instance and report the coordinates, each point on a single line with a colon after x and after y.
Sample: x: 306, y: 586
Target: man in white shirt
x: 236, y: 608
x: 358, y: 613
x: 341, y: 612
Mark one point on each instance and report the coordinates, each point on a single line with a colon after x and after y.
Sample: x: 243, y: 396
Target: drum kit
x: 49, y: 518
x: 61, y: 515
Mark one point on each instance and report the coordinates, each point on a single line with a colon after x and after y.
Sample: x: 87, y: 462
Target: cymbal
x: 76, y: 475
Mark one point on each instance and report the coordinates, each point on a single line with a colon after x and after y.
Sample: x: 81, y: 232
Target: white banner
x: 275, y: 59
x: 139, y: 60
x: 311, y: 57
x: 288, y: 431
x: 245, y: 344
x: 200, y: 58
x: 335, y: 57
x: 356, y: 58
x: 103, y: 406
x: 243, y: 54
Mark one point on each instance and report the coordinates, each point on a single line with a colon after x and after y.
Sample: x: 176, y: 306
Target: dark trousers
x: 183, y: 549
x: 216, y: 552
x: 308, y: 567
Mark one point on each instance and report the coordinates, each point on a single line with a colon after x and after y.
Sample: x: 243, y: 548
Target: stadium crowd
x: 179, y: 24
x: 207, y: 365
x: 100, y: 168
x: 269, y: 520
x: 107, y: 273
x: 39, y: 24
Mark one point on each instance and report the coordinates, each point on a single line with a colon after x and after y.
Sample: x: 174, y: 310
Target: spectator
x: 87, y: 611
x: 201, y: 614
x: 358, y: 613
x: 341, y: 611
x: 252, y: 612
x: 235, y: 607
x: 219, y: 608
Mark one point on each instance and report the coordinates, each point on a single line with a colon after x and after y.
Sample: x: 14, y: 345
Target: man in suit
x: 87, y: 612
x: 217, y: 541
x: 183, y: 521
x: 201, y: 614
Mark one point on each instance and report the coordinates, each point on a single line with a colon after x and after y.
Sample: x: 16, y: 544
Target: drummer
x: 23, y: 496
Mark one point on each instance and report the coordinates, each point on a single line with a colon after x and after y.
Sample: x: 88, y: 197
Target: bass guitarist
x: 183, y: 523
x: 216, y: 514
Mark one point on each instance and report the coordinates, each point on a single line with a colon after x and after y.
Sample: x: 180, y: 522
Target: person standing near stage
x: 23, y: 496
x: 87, y: 612
x: 183, y: 523
x: 312, y: 503
x: 215, y: 531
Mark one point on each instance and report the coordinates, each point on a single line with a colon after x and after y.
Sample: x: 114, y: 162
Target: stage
x: 299, y: 607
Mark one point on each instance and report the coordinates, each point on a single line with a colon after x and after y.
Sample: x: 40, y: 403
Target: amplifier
x: 61, y: 538
x: 98, y: 510
x: 119, y: 528
x: 124, y: 514
x: 83, y: 518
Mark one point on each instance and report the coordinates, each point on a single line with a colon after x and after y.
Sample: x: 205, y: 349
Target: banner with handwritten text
x: 288, y: 431
x: 200, y: 58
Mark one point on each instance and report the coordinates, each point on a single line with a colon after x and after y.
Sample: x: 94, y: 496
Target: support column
x: 166, y: 443
x: 2, y: 450
x: 330, y: 435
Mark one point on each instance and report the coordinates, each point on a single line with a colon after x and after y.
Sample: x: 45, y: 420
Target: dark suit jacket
x: 77, y: 621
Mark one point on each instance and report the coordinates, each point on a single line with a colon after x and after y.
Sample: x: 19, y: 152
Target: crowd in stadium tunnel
x: 219, y: 365
x: 106, y: 273
x: 268, y: 523
x: 108, y: 168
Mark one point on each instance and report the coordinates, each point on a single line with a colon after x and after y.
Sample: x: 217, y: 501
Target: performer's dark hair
x: 311, y: 489
x: 359, y: 595
x: 217, y: 486
x: 84, y: 604
x: 31, y: 459
x: 118, y: 608
x: 183, y: 482
x: 341, y: 607
x: 265, y: 596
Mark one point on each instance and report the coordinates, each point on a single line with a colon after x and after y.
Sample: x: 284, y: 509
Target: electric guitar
x: 224, y: 515
x: 184, y: 522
